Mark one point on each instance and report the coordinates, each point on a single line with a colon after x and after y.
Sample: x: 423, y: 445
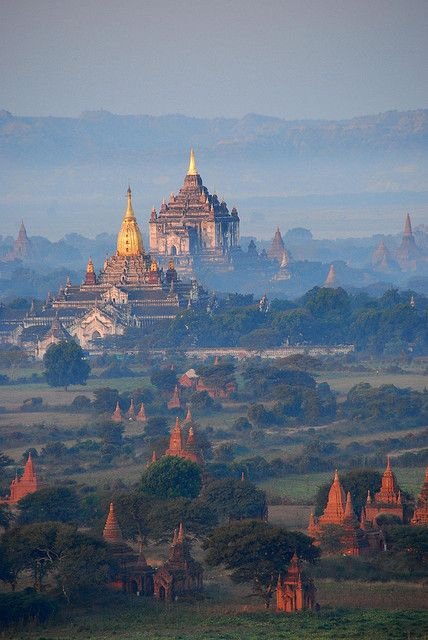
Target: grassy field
x: 342, y: 381
x: 136, y: 619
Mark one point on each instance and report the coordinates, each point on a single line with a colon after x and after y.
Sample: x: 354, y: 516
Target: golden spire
x: 129, y: 240
x: 129, y: 213
x: 192, y: 170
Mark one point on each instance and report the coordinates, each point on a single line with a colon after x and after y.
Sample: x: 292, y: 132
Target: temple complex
x: 130, y: 291
x: 193, y: 382
x: 408, y: 252
x: 387, y: 500
x: 193, y: 224
x: 339, y: 512
x: 28, y: 483
x: 277, y: 248
x: 420, y: 515
x: 381, y: 258
x: 181, y: 574
x: 294, y: 591
x: 55, y: 335
x: 183, y: 447
x: 134, y: 574
x: 21, y: 249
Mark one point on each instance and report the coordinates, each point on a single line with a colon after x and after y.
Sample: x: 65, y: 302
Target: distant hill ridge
x: 96, y: 135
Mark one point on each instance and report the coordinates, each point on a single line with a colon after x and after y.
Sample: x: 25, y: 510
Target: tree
x: 60, y: 504
x: 172, y: 477
x: 53, y: 548
x: 65, y: 364
x: 150, y: 517
x: 233, y: 499
x: 156, y: 427
x: 105, y: 400
x: 257, y: 552
x: 5, y: 461
x: 164, y: 379
x: 242, y: 424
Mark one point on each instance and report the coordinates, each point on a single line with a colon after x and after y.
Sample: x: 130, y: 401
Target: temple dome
x: 129, y: 239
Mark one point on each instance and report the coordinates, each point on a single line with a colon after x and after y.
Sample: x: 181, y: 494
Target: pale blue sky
x: 289, y: 58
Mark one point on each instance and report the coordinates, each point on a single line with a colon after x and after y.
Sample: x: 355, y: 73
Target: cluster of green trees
x: 386, y: 325
x: 386, y: 404
x: 55, y: 551
x: 172, y: 491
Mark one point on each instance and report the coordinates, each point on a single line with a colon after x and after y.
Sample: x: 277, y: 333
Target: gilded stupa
x: 131, y: 290
x: 130, y: 266
x: 129, y: 239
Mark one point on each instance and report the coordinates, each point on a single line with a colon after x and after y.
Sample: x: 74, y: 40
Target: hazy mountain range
x: 338, y: 178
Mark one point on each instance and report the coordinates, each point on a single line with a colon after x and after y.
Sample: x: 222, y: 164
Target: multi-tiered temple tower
x: 193, y: 224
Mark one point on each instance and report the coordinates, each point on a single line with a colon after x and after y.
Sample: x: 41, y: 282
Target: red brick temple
x: 26, y: 484
x: 181, y: 574
x: 420, y: 515
x: 182, y: 447
x: 134, y: 574
x: 294, y: 592
x: 339, y: 512
x: 386, y: 501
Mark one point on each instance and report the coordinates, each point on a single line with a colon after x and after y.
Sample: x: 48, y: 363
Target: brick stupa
x: 188, y: 450
x: 387, y: 500
x: 112, y: 532
x: 141, y: 415
x: 117, y: 415
x: 26, y: 484
x: 175, y: 401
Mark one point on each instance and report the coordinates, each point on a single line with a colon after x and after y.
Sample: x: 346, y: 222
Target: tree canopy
x: 172, y: 477
x: 65, y: 365
x: 73, y: 559
x: 257, y: 552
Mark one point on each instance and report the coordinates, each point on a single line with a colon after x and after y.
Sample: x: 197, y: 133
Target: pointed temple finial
x: 131, y: 410
x: 180, y: 535
x: 117, y: 415
x: 129, y: 213
x: 141, y: 416
x: 349, y: 512
x: 192, y: 170
x: 407, y: 226
x: 112, y: 532
x: 242, y: 476
x: 331, y: 279
x: 28, y: 473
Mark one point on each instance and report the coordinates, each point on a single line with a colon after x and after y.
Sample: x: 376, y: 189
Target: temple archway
x: 96, y: 336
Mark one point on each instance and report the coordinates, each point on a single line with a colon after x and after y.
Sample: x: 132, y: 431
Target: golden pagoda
x: 129, y: 239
